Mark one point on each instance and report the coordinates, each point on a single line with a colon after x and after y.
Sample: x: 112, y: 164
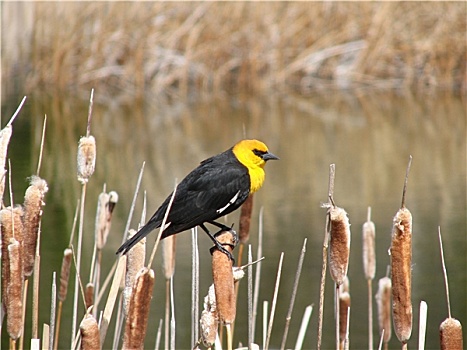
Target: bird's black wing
x: 212, y: 190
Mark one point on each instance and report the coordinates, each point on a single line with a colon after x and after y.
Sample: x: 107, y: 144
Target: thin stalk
x: 167, y: 313
x: 332, y: 171
x: 422, y: 325
x: 53, y: 303
x: 445, y: 274
x: 294, y: 294
x: 370, y: 314
x: 78, y: 263
x: 337, y: 309
x: 303, y: 327
x: 274, y: 301
x: 172, y: 319
x: 258, y: 271
x: 250, y: 298
x: 158, y: 335
x: 12, y: 119
x: 194, y: 286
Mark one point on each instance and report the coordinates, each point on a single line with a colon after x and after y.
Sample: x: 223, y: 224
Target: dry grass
x: 137, y: 48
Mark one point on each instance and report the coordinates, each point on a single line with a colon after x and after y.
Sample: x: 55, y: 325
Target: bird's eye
x: 259, y: 153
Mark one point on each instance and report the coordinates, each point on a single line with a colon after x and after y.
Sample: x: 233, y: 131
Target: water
x: 368, y: 136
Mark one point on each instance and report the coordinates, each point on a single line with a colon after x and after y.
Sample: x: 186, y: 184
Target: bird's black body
x: 218, y: 186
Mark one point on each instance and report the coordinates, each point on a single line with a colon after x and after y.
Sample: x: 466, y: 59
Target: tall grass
x: 132, y: 49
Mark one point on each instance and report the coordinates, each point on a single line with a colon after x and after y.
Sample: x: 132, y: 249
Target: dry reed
x: 209, y: 47
x: 138, y: 311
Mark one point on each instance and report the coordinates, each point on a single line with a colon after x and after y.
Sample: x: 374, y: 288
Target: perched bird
x: 218, y: 186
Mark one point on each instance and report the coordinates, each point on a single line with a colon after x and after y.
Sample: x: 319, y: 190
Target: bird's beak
x: 269, y: 156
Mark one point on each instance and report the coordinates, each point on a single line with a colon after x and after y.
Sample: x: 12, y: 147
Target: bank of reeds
x: 130, y: 49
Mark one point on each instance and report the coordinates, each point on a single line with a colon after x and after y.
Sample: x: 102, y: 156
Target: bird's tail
x: 143, y: 232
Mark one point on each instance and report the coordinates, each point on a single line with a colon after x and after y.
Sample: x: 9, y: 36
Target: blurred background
x: 360, y: 85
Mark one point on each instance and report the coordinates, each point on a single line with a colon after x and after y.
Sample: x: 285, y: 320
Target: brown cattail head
x: 65, y: 274
x: 401, y: 274
x: 11, y: 226
x: 86, y: 158
x: 339, y: 246
x: 138, y: 312
x: 369, y: 256
x: 5, y: 135
x: 245, y: 220
x: 134, y: 264
x: 33, y: 203
x: 105, y: 206
x: 450, y: 334
x: 168, y: 256
x: 383, y: 301
x: 90, y: 337
x: 344, y: 304
x: 14, y: 289
x: 223, y: 278
x: 89, y: 295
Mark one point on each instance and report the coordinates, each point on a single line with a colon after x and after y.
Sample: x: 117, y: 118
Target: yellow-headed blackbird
x: 218, y: 186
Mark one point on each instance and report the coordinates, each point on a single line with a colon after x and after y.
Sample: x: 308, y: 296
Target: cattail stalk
x: 401, y: 264
x: 422, y: 325
x: 332, y: 171
x: 294, y: 293
x: 195, y: 286
x: 369, y: 268
x: 303, y: 327
x: 138, y: 312
x: 90, y: 339
x: 53, y: 303
x: 259, y: 253
x: 274, y: 301
x: 168, y: 267
x: 450, y: 330
x: 339, y: 252
x: 62, y: 291
x: 383, y: 302
x: 86, y: 160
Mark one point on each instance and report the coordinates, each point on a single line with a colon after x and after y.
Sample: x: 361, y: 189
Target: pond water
x: 369, y: 138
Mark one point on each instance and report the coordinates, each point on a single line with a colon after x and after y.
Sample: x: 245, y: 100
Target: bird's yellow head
x: 253, y: 154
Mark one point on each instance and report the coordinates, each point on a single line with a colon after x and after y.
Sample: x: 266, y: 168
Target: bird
x: 217, y: 187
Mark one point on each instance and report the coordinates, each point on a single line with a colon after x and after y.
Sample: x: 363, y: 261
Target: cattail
x: 168, y: 256
x: 223, y: 279
x: 33, y: 203
x: 89, y: 295
x: 369, y: 268
x: 134, y: 264
x: 10, y: 229
x: 105, y: 206
x: 86, y: 158
x: 383, y: 301
x: 138, y: 311
x: 209, y: 319
x: 245, y: 219
x: 339, y: 246
x: 401, y: 276
x: 344, y: 305
x: 65, y: 274
x: 89, y: 329
x: 450, y: 334
x: 369, y: 257
x: 14, y: 289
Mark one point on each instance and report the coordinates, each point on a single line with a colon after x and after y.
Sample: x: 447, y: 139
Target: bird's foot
x: 220, y: 246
